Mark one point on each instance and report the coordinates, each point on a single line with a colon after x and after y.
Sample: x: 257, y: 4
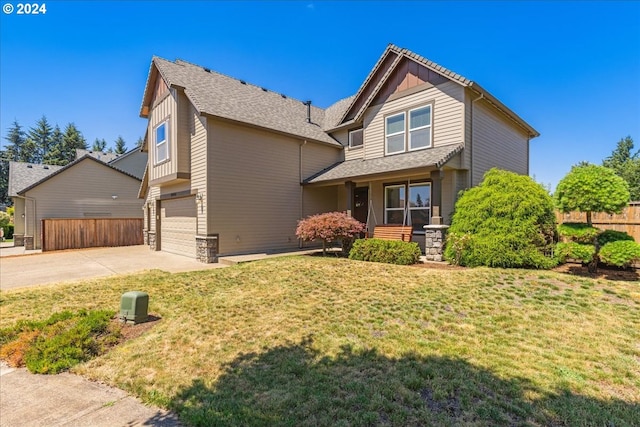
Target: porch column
x: 436, y: 196
x: 350, y: 186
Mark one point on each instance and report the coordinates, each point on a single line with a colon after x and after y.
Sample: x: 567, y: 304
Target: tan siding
x: 254, y: 186
x: 166, y: 109
x: 199, y: 157
x: 183, y: 119
x: 319, y: 200
x: 496, y: 143
x: 316, y: 157
x: 153, y: 194
x: 84, y: 191
x: 448, y: 112
x: 133, y: 163
x: 18, y: 204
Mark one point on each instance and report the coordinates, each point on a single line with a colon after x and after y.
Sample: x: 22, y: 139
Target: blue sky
x: 570, y: 69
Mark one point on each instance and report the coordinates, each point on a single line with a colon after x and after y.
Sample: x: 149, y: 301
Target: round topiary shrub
x: 621, y: 253
x: 608, y: 236
x: 506, y: 221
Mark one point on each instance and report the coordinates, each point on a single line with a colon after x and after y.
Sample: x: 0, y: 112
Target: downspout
x: 471, y: 141
x: 302, y: 144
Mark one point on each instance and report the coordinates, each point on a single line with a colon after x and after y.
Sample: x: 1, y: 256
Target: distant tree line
x: 47, y: 144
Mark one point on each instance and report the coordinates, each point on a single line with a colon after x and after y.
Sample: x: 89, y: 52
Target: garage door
x: 178, y: 226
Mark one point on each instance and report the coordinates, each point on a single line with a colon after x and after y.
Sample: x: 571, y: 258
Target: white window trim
x: 430, y: 126
x: 401, y: 209
x: 166, y: 141
x: 404, y: 132
x: 356, y: 146
x: 415, y: 184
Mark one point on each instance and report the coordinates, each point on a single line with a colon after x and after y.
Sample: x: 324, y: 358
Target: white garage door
x: 178, y: 226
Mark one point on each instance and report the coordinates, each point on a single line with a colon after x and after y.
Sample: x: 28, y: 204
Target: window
x: 417, y: 213
x: 418, y: 130
x: 394, y: 133
x: 162, y: 142
x: 355, y: 138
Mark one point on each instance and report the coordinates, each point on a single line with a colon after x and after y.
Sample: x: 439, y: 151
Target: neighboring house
x: 133, y: 162
x: 233, y: 167
x: 85, y: 188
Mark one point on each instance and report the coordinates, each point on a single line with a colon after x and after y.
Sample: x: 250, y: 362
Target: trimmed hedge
x: 621, y: 253
x: 387, y: 251
x: 578, y: 232
x: 608, y: 236
x: 579, y: 251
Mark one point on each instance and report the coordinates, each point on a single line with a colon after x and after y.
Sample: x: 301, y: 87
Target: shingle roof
x: 437, y: 157
x: 334, y: 113
x: 23, y: 175
x: 218, y: 95
x: 100, y: 155
x: 61, y: 169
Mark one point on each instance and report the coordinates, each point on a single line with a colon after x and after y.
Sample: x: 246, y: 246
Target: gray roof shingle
x: 23, y: 175
x: 100, y: 155
x: 218, y: 95
x: 437, y: 157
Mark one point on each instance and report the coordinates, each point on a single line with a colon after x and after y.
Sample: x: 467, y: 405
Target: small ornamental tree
x: 328, y: 227
x: 591, y: 188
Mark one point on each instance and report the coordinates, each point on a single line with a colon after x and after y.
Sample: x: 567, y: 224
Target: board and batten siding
x: 164, y: 110
x: 199, y: 160
x: 497, y: 142
x: 254, y: 187
x: 85, y: 190
x: 447, y: 118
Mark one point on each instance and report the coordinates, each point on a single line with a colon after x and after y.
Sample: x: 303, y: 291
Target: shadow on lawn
x: 294, y: 386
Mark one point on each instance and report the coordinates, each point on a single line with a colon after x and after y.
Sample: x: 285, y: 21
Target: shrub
x: 328, y: 227
x: 4, y: 218
x: 578, y: 232
x: 8, y: 231
x: 387, y: 251
x: 621, y: 253
x: 578, y: 251
x: 608, y: 236
x: 510, y: 221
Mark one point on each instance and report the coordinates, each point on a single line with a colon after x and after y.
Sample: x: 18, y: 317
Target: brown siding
x: 497, y: 142
x: 85, y: 191
x: 62, y: 234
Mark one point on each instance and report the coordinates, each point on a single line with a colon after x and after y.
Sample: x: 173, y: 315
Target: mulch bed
x: 608, y: 273
x: 130, y: 331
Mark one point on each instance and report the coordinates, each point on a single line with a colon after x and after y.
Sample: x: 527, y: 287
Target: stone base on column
x: 18, y: 240
x: 145, y: 237
x: 28, y: 243
x: 207, y: 248
x: 435, y: 235
x: 151, y: 240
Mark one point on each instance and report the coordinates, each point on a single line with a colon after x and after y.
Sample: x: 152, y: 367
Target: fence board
x: 79, y: 233
x: 627, y: 221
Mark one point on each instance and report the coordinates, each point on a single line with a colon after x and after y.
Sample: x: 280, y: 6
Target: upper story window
x: 356, y: 138
x: 418, y: 128
x: 162, y: 142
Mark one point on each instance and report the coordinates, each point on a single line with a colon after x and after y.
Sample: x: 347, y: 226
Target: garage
x: 178, y: 225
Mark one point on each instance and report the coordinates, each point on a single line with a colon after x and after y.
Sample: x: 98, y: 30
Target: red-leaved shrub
x: 328, y: 227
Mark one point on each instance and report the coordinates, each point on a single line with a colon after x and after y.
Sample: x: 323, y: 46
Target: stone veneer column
x: 207, y: 248
x: 435, y: 235
x: 151, y: 237
x: 28, y: 243
x: 18, y: 240
x: 145, y: 237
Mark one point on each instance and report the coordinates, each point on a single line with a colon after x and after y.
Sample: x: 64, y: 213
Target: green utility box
x: 134, y: 306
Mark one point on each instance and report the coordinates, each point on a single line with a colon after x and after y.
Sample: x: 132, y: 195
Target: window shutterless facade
x: 356, y: 139
x: 418, y: 211
x: 407, y: 135
x: 161, y: 134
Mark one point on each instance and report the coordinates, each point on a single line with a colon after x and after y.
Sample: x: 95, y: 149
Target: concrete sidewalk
x: 70, y: 400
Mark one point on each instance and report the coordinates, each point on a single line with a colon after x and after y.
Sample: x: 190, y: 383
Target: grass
x: 314, y: 341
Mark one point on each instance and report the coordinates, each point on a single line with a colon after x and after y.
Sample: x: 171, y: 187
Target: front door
x: 361, y: 204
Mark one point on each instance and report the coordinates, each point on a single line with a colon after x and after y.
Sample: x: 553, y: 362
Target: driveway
x: 64, y: 266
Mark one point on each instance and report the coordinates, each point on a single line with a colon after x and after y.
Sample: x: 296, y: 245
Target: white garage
x: 178, y: 225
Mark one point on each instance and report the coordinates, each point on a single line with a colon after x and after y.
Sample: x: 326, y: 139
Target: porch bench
x: 393, y: 232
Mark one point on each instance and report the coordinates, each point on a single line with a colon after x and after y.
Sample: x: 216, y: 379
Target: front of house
x: 232, y: 166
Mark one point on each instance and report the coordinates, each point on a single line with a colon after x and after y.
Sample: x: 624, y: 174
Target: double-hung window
x: 414, y: 210
x: 408, y: 131
x: 162, y: 142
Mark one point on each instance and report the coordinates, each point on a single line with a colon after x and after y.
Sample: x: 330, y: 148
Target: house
x: 233, y: 166
x: 85, y: 188
x: 133, y: 162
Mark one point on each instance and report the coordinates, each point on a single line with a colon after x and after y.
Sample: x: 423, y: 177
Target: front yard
x: 314, y: 341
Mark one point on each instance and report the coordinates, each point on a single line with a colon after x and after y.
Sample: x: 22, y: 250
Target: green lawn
x: 312, y: 341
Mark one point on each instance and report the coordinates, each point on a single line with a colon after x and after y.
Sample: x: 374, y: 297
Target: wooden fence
x: 58, y: 233
x: 628, y: 220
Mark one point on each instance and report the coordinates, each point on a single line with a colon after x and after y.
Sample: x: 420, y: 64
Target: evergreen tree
x: 120, y: 146
x: 41, y: 135
x: 55, y: 156
x: 4, y: 178
x: 626, y: 164
x: 99, y: 145
x: 29, y: 151
x: 73, y: 140
x: 139, y: 142
x: 15, y: 137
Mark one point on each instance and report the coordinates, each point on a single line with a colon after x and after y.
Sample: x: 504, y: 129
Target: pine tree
x: 139, y: 142
x: 99, y: 145
x: 626, y: 164
x: 29, y: 151
x: 73, y: 140
x: 120, y: 146
x: 15, y: 137
x: 55, y: 154
x: 41, y: 135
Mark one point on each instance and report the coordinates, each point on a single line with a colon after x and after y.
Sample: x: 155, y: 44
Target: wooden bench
x: 393, y: 232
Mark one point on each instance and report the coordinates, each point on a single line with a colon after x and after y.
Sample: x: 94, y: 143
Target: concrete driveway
x: 64, y: 266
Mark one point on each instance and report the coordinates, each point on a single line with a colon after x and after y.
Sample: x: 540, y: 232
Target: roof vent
x: 308, y: 104
x: 206, y: 69
x: 264, y: 89
x: 30, y: 166
x: 243, y: 82
x: 283, y: 95
x: 46, y: 167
